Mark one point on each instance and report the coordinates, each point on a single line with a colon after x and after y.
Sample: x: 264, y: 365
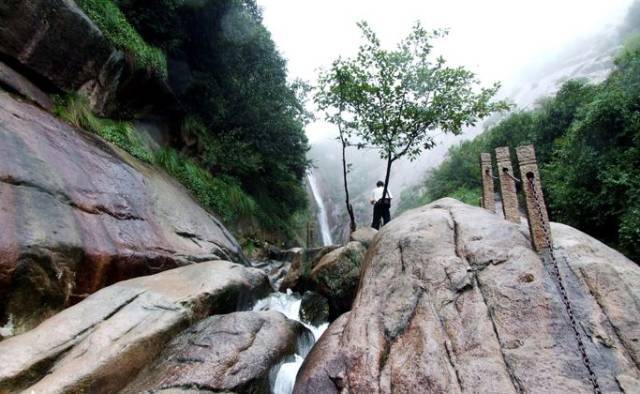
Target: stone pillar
x: 507, y: 185
x: 538, y: 223
x: 488, y: 201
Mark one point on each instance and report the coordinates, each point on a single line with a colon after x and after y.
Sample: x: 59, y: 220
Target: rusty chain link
x: 563, y: 292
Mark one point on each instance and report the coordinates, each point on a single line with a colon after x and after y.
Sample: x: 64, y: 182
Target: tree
x: 396, y: 99
x: 331, y: 93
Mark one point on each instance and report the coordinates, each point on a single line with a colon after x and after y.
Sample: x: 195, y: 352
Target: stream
x: 289, y: 305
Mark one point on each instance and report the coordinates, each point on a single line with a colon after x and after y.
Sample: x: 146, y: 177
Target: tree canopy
x: 395, y: 100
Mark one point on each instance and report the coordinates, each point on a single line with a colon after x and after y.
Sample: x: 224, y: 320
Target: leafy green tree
x: 396, y: 99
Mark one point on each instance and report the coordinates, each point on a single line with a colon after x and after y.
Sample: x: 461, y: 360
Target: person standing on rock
x: 381, y: 205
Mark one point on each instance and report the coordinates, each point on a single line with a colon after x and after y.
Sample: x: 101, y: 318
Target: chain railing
x: 555, y: 270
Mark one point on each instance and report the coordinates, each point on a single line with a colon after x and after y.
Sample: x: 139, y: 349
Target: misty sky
x: 495, y: 38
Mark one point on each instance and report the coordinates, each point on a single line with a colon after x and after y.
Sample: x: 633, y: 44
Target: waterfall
x: 289, y: 305
x: 322, y: 212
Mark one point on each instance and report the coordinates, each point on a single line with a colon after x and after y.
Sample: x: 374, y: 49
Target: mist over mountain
x: 590, y: 57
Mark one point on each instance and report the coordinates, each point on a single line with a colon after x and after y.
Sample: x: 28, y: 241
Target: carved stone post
x: 536, y: 207
x: 488, y: 201
x: 507, y: 185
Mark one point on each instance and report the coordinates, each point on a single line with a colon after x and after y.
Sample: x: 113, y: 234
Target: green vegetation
x: 113, y: 24
x: 241, y: 147
x: 394, y: 100
x: 222, y: 195
x: 75, y: 110
x: 587, y: 140
x: 244, y: 122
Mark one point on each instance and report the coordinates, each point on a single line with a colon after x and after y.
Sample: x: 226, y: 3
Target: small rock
x: 364, y: 235
x: 314, y: 308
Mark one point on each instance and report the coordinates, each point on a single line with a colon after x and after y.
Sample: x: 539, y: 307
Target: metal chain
x: 506, y: 172
x: 563, y: 292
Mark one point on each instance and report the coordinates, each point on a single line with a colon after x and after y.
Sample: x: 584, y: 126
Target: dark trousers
x: 380, y: 211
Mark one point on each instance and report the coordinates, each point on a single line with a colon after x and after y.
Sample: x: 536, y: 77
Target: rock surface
x: 336, y: 276
x: 364, y: 235
x: 302, y: 262
x: 15, y: 82
x: 453, y: 299
x: 77, y: 215
x: 57, y: 44
x: 101, y: 343
x: 232, y: 352
x: 314, y: 309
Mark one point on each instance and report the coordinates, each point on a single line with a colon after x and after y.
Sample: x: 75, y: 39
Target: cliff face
x: 453, y: 299
x: 77, y: 215
x: 61, y: 49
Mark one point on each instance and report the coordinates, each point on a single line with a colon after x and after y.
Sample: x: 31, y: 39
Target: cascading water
x: 289, y: 305
x: 322, y: 212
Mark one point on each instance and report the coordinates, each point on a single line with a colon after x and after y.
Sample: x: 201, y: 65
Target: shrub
x: 222, y: 195
x: 75, y: 110
x: 113, y: 24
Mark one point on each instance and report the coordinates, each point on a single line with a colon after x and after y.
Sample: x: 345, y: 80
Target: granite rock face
x: 336, y: 276
x: 233, y: 352
x: 61, y: 49
x: 453, y: 299
x: 100, y: 344
x: 78, y: 214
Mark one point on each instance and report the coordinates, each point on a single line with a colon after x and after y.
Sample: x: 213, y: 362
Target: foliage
x: 75, y: 110
x: 244, y: 120
x: 113, y: 24
x: 396, y: 99
x: 222, y: 195
x: 587, y: 140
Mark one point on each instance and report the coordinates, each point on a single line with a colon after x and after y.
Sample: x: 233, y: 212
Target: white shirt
x: 377, y: 193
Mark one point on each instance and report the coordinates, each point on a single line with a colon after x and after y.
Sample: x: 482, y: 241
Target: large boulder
x: 234, y: 352
x: 60, y: 48
x: 78, y: 214
x: 336, y: 276
x: 453, y: 299
x: 302, y: 262
x: 101, y: 343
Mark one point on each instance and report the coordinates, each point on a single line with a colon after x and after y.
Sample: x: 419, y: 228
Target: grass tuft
x: 114, y: 25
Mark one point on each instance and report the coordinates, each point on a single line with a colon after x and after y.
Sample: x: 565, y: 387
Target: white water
x: 289, y: 305
x: 322, y: 212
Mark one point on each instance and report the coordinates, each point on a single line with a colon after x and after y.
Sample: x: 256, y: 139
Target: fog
x: 498, y: 39
x: 531, y: 47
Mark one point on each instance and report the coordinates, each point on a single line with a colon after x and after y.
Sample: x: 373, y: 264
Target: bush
x: 219, y: 194
x: 113, y: 24
x: 75, y: 110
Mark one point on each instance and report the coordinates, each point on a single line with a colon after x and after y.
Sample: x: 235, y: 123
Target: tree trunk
x: 346, y: 188
x: 386, y: 178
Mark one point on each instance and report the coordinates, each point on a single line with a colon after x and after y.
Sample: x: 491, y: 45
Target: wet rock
x: 276, y: 270
x: 232, y: 352
x: 323, y: 370
x: 364, y: 235
x: 302, y: 262
x: 453, y: 299
x: 78, y: 214
x: 314, y: 309
x: 336, y: 276
x: 101, y: 343
x: 62, y: 49
x: 17, y: 83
